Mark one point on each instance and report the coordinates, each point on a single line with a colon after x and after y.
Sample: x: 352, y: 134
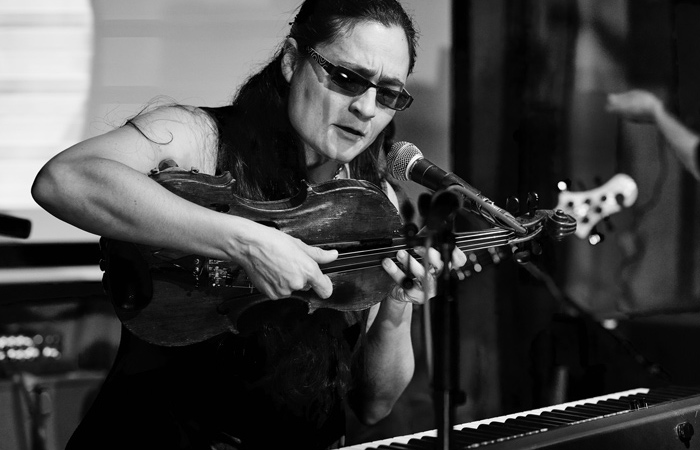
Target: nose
x: 366, y: 103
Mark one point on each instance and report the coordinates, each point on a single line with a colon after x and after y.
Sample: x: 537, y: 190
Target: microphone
x: 406, y: 162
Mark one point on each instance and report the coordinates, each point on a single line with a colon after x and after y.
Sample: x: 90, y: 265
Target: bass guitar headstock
x: 590, y: 207
x: 586, y: 208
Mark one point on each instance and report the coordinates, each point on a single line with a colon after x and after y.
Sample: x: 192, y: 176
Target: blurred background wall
x: 509, y: 94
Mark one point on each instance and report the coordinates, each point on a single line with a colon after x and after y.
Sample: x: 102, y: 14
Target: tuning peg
x: 533, y: 202
x: 522, y: 256
x: 424, y: 204
x: 407, y: 211
x: 513, y: 205
x: 595, y: 238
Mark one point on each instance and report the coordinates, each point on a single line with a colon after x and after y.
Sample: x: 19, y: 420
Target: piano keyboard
x: 644, y: 418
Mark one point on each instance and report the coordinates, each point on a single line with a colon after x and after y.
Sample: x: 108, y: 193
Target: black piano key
x: 400, y: 446
x: 618, y: 405
x: 412, y: 444
x: 517, y: 428
x: 422, y: 443
x: 498, y: 430
x: 599, y: 410
x: 575, y: 414
x: 595, y: 411
x: 484, y: 432
x: 585, y: 413
x: 622, y: 401
x: 589, y: 412
x: 456, y: 442
x: 538, y: 421
x: 545, y: 419
x: 561, y: 415
x: 464, y: 439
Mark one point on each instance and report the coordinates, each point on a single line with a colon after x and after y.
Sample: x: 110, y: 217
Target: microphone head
x: 401, y: 158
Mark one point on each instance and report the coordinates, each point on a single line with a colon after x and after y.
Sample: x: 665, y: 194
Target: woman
x: 305, y: 116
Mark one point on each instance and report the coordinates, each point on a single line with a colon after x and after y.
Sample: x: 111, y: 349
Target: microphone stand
x: 439, y: 223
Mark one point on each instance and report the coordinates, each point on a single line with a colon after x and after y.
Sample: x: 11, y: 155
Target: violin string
x: 468, y: 243
x: 470, y: 237
x: 357, y: 260
x: 471, y: 244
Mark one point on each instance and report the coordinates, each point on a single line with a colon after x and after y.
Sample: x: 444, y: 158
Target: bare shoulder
x: 183, y: 133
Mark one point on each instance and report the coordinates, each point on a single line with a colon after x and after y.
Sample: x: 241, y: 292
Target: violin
x: 171, y: 298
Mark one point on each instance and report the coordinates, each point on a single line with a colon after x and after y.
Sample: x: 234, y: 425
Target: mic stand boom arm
x: 487, y: 209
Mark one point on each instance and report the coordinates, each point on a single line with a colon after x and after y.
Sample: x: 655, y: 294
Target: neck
x: 324, y: 172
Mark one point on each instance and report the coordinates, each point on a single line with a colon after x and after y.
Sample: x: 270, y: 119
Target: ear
x: 290, y: 56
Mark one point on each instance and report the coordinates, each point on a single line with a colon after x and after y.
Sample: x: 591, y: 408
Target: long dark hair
x: 265, y: 154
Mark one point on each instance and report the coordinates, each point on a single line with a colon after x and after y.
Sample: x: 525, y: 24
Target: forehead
x: 373, y: 48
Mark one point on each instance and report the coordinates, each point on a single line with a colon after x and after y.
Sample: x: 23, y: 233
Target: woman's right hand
x: 279, y: 264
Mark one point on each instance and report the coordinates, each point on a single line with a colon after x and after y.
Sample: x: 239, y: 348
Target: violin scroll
x: 554, y: 223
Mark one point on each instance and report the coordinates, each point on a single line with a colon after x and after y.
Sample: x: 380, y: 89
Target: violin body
x: 170, y: 298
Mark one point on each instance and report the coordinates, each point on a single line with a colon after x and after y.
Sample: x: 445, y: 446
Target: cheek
x: 300, y: 107
x: 307, y: 94
x: 381, y: 122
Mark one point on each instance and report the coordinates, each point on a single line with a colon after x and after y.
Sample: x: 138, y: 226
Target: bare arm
x: 101, y: 185
x: 643, y: 106
x: 390, y: 361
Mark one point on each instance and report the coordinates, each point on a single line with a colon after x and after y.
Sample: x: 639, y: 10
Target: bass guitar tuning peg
x: 513, y: 205
x: 533, y: 202
x: 595, y: 237
x: 563, y: 185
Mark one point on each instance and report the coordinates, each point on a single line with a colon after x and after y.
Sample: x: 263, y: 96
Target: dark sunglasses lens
x: 349, y: 81
x: 394, y: 99
x: 388, y: 97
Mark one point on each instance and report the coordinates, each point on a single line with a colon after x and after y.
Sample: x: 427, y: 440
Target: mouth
x: 352, y: 131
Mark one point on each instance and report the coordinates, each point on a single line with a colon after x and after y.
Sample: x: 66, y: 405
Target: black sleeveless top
x: 282, y: 385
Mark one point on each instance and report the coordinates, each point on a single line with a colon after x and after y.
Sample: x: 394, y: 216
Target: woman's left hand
x: 423, y: 277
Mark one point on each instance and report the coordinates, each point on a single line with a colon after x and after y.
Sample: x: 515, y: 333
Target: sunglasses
x: 356, y: 84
